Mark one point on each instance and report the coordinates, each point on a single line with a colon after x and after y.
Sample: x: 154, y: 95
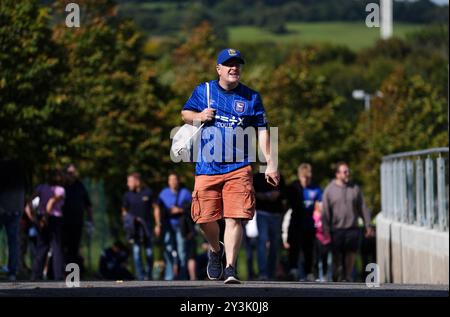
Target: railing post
x: 410, y: 206
x: 442, y: 194
x: 395, y: 191
x: 420, y: 201
x: 403, y: 198
x: 389, y: 204
x: 429, y: 192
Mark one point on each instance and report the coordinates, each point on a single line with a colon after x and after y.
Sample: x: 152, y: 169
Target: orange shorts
x: 229, y: 195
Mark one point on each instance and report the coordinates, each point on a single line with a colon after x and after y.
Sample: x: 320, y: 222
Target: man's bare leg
x: 192, y: 269
x: 233, y: 238
x: 211, y: 232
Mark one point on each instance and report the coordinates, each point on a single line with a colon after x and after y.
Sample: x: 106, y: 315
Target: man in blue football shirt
x: 174, y: 199
x: 224, y: 183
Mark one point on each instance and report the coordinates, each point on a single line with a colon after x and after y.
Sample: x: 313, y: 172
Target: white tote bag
x: 183, y: 140
x: 251, y: 228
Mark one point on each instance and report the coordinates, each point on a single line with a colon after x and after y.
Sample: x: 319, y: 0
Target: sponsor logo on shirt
x: 226, y: 122
x: 239, y: 106
x: 145, y: 198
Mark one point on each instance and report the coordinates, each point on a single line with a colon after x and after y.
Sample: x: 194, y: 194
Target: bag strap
x: 208, y: 95
x: 208, y: 102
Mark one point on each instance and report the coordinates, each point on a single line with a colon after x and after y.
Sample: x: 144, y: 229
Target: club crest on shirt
x: 239, y: 106
x: 145, y: 198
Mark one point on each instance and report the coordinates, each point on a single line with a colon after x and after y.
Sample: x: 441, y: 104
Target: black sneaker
x: 215, y: 267
x: 231, y: 276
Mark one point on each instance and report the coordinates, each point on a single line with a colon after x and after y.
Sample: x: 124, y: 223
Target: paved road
x: 216, y: 289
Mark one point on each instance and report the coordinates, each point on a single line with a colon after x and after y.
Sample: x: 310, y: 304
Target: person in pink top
x: 55, y: 203
x: 49, y: 221
x: 322, y: 245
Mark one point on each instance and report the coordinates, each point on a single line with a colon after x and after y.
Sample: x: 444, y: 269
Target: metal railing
x: 414, y: 188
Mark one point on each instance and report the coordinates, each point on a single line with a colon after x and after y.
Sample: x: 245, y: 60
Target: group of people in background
x: 53, y: 221
x: 164, y: 216
x: 297, y: 232
x: 315, y: 227
x: 49, y: 224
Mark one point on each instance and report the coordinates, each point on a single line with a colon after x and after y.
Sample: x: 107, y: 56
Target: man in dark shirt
x: 269, y: 214
x: 137, y: 215
x: 77, y: 201
x: 304, y: 197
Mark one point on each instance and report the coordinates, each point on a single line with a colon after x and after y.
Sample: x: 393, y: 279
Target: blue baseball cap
x: 228, y: 54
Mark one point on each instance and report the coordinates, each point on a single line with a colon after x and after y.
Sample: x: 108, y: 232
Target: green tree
x: 118, y: 118
x: 411, y: 115
x: 32, y: 106
x: 306, y: 113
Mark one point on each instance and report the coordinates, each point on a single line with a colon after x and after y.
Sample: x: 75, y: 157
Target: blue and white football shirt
x: 240, y: 107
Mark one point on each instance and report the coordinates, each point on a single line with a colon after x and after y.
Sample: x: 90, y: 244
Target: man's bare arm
x: 52, y: 201
x: 157, y: 215
x: 272, y: 169
x: 189, y: 116
x: 29, y: 210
